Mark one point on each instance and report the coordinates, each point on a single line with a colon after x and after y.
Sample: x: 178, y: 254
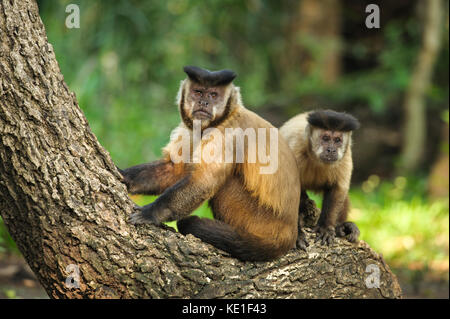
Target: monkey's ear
x: 208, y: 78
x: 308, y: 131
x: 236, y: 95
x: 180, y: 95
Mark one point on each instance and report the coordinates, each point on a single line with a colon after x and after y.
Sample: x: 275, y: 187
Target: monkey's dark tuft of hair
x: 334, y: 121
x: 209, y: 78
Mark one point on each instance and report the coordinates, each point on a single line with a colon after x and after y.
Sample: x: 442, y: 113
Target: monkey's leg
x: 345, y: 229
x: 305, y: 202
x: 301, y: 242
x: 224, y: 237
x: 333, y: 201
x: 151, y: 178
x: 308, y: 211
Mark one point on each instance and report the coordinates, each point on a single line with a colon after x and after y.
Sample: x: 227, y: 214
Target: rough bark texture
x: 62, y: 202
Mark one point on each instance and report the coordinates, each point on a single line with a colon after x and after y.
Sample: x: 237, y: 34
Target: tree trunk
x: 415, y: 116
x: 63, y: 204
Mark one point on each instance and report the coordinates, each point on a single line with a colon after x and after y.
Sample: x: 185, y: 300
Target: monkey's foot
x: 349, y: 231
x: 301, y: 243
x: 325, y: 235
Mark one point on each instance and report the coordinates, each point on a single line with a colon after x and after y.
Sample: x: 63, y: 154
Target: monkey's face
x: 205, y: 103
x: 329, y: 146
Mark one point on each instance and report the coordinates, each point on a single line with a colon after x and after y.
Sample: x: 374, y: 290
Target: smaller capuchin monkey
x: 321, y: 142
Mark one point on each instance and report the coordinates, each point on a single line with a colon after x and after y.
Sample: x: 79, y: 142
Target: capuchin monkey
x: 256, y: 214
x: 321, y: 142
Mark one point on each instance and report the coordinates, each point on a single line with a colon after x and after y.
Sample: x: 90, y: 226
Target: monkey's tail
x: 224, y: 237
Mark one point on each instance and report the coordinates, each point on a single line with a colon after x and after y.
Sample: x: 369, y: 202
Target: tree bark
x: 63, y: 203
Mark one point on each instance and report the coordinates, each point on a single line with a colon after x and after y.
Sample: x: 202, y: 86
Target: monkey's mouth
x: 202, y: 114
x: 328, y: 159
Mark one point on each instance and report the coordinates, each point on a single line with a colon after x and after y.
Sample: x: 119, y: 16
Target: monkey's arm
x: 151, y: 178
x: 332, y: 205
x: 180, y: 199
x: 346, y: 229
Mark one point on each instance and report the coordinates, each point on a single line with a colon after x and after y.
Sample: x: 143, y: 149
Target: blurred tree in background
x: 125, y: 63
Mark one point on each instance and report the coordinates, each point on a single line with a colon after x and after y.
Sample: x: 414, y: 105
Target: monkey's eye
x: 337, y: 140
x: 213, y: 95
x: 325, y: 138
x: 198, y: 93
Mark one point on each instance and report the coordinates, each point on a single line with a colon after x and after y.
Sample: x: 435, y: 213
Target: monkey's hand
x: 349, y: 231
x: 301, y: 243
x: 325, y: 235
x: 121, y: 171
x: 153, y: 213
x: 124, y: 178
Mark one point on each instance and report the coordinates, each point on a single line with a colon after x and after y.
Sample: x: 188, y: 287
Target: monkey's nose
x: 331, y: 151
x: 203, y: 103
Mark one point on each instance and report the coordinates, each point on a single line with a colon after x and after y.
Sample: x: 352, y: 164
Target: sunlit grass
x: 407, y: 229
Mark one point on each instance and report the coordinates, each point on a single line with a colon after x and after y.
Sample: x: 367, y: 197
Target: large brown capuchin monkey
x: 254, y: 197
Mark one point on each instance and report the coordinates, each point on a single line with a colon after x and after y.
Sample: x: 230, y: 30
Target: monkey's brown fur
x: 332, y: 178
x: 255, y: 214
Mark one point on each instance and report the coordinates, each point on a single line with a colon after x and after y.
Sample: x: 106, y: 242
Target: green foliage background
x: 125, y: 64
